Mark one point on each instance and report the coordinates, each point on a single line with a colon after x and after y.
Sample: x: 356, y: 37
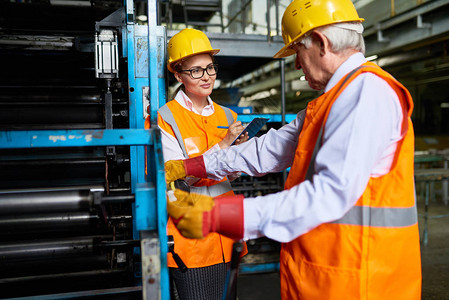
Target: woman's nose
x: 205, y: 76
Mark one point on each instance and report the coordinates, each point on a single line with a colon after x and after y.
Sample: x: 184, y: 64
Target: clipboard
x: 252, y: 128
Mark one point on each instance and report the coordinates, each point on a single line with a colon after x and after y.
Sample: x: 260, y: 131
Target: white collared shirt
x: 185, y: 102
x: 359, y: 141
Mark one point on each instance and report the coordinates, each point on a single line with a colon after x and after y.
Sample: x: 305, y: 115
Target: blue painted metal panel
x: 146, y: 57
x: 241, y: 109
x: 145, y: 207
x: 271, y: 117
x: 136, y: 84
x: 74, y: 138
x: 161, y: 212
x: 132, y: 106
x: 141, y: 48
x: 136, y: 153
x: 140, y: 83
x: 153, y: 56
x: 259, y: 268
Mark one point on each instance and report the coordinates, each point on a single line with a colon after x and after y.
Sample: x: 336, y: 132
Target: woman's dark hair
x: 181, y: 87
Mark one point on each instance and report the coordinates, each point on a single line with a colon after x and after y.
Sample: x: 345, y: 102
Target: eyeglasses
x: 198, y: 72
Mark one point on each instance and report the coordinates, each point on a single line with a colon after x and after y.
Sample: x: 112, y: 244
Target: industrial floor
x: 435, y: 262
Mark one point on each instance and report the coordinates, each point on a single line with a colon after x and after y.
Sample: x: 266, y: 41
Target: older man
x: 347, y: 217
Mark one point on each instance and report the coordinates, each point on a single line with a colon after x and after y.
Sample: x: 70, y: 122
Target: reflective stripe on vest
x: 228, y: 114
x: 213, y: 190
x: 366, y: 215
x: 168, y: 117
x: 379, y: 216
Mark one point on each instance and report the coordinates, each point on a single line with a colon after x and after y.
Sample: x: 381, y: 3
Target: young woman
x: 191, y: 125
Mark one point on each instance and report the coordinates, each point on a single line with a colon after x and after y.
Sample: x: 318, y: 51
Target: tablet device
x: 253, y: 127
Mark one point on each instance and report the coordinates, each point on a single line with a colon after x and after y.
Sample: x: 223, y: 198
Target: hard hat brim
x: 170, y: 64
x: 286, y: 51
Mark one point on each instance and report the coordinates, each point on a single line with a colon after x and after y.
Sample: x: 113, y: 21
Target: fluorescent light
x: 70, y: 3
x: 142, y: 18
x: 372, y: 57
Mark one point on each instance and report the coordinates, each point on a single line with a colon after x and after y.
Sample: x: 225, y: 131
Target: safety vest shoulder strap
x: 215, y: 190
x: 168, y: 117
x: 311, y: 167
x: 228, y: 113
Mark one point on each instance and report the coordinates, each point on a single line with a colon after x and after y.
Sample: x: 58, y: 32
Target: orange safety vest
x: 196, y: 134
x: 373, y: 251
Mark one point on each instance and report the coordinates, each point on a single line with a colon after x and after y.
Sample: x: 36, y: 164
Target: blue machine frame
x: 150, y: 201
x: 144, y: 46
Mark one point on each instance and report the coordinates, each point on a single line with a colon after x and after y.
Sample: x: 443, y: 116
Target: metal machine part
x: 106, y: 54
x: 70, y: 218
x: 65, y: 236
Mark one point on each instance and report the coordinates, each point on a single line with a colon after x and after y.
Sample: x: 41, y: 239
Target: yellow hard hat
x: 186, y: 43
x: 302, y: 16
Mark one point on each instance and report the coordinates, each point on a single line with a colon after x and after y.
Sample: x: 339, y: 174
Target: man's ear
x: 322, y: 42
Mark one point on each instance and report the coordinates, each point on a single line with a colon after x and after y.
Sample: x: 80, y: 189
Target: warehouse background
x: 49, y: 82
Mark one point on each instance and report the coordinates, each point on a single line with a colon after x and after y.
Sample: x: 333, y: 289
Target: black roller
x: 38, y: 202
x: 75, y: 221
x: 46, y: 249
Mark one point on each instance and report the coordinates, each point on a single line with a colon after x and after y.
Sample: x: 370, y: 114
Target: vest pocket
x: 310, y: 281
x: 326, y: 282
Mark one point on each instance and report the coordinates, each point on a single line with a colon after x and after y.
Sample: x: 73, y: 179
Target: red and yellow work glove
x: 197, y: 215
x: 179, y: 169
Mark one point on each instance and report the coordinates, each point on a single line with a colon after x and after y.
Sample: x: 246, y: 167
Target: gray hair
x: 342, y: 36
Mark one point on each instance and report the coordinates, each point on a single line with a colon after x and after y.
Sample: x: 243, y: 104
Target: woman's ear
x: 178, y: 77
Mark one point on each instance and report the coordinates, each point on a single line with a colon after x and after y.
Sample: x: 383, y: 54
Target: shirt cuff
x: 251, y: 220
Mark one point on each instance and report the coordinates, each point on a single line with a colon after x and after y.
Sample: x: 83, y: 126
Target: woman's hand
x: 243, y: 138
x: 233, y: 132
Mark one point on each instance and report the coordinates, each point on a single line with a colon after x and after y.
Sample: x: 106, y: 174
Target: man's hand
x: 197, y: 215
x: 174, y: 170
x: 179, y: 169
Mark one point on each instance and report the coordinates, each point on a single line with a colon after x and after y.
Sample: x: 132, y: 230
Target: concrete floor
x: 435, y: 256
x: 435, y: 262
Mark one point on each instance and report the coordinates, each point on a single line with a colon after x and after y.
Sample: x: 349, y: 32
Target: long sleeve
x: 360, y: 136
x: 272, y: 152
